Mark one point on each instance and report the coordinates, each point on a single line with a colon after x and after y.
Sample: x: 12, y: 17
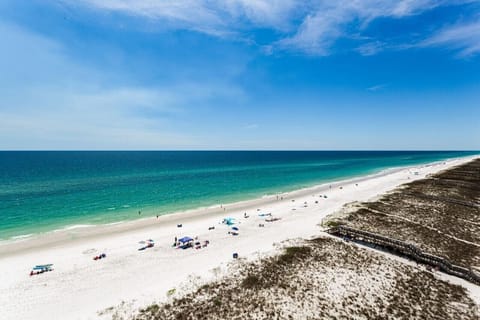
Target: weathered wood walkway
x: 405, y: 249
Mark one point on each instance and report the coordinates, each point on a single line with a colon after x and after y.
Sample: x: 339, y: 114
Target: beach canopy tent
x: 185, y: 239
x: 229, y: 221
x: 43, y: 267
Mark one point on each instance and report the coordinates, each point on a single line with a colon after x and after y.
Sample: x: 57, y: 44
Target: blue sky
x: 239, y: 74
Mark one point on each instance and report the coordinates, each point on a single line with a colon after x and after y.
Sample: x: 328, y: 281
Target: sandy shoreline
x: 79, y: 287
x: 77, y: 232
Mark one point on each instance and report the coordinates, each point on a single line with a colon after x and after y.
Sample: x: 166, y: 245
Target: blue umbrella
x: 185, y: 239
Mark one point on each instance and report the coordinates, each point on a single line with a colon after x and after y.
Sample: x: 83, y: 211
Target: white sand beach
x: 79, y: 287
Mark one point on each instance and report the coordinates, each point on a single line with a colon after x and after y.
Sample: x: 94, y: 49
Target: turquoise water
x: 44, y: 191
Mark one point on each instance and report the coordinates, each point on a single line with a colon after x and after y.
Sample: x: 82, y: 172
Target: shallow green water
x: 43, y: 191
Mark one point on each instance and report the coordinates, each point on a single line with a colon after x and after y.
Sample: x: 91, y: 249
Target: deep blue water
x: 46, y: 190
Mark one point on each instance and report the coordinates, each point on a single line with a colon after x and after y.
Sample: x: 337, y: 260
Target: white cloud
x: 371, y: 48
x: 464, y: 38
x: 58, y: 117
x: 273, y: 13
x: 50, y: 102
x: 251, y: 126
x: 409, y: 7
x: 377, y: 87
x: 316, y: 33
x: 331, y: 20
x: 214, y: 17
x: 307, y: 26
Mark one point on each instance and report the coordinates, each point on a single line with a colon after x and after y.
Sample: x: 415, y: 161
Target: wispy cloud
x: 463, y: 38
x: 51, y: 102
x: 332, y: 20
x: 214, y: 17
x: 97, y: 120
x: 308, y: 26
x: 377, y: 87
x: 371, y: 48
x: 250, y: 126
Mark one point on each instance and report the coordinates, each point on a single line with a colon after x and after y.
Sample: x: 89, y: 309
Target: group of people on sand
x: 146, y: 244
x: 183, y: 243
x: 100, y: 256
x: 39, y: 269
x: 187, y: 242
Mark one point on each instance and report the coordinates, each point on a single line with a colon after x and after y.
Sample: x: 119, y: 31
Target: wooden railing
x: 406, y: 249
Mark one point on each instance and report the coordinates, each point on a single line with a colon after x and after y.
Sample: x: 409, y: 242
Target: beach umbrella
x: 185, y: 239
x: 229, y: 221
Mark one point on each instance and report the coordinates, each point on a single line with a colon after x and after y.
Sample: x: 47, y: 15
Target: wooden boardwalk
x: 405, y: 249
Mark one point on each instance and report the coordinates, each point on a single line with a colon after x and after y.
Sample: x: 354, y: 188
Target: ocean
x: 42, y: 191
